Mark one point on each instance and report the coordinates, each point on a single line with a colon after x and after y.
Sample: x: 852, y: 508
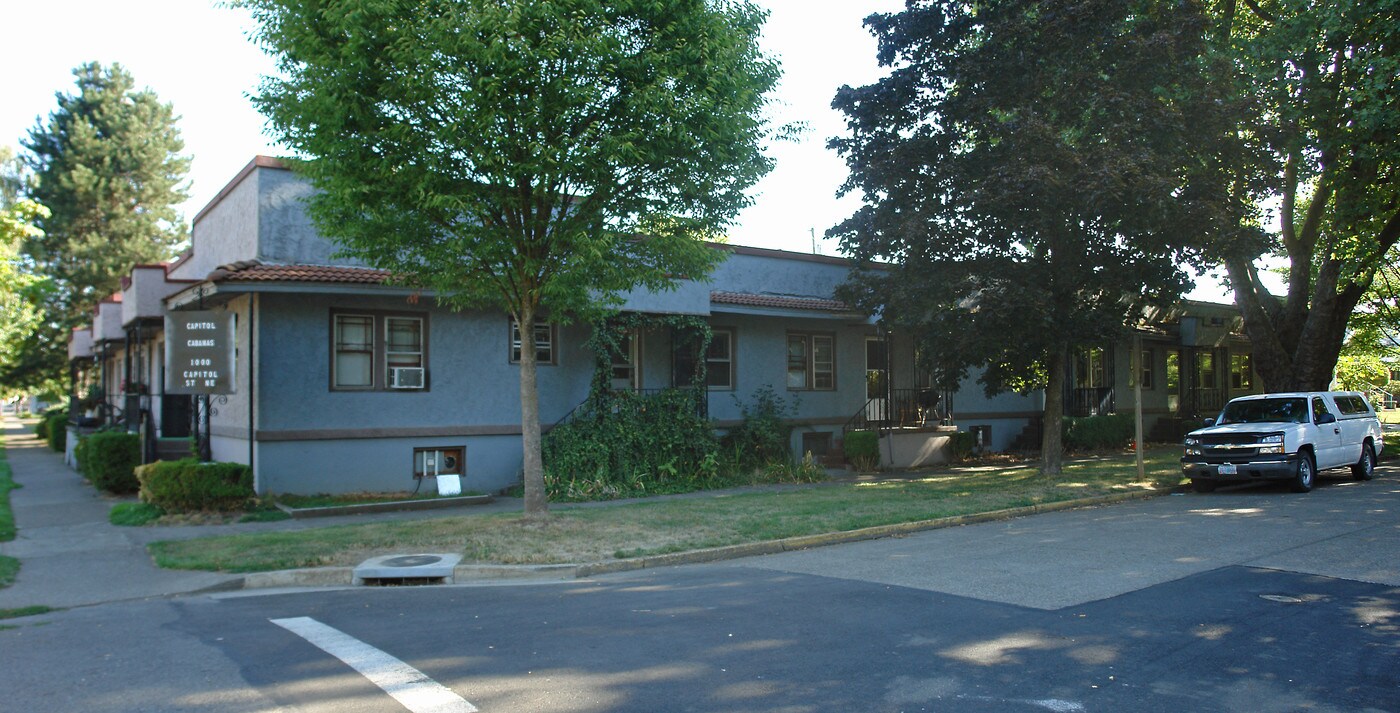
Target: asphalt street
x: 1242, y: 600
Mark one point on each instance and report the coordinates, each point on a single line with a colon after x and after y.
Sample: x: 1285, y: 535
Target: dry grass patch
x: 592, y: 534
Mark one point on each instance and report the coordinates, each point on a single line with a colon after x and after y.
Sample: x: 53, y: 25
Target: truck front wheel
x: 1306, y: 473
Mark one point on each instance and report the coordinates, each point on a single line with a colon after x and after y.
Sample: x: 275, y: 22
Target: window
x: 1319, y: 408
x: 625, y: 372
x: 544, y: 342
x: 1089, y: 369
x: 1205, y: 370
x: 719, y: 360
x: 354, y: 352
x: 374, y: 351
x: 1241, y: 372
x: 403, y: 349
x: 1145, y: 371
x: 811, y: 361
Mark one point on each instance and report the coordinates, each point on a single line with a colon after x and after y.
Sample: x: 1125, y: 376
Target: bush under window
x: 108, y: 459
x: 191, y: 486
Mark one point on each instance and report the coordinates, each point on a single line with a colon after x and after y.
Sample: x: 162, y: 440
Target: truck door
x: 1328, y: 445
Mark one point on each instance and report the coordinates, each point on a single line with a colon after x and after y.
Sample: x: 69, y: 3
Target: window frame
x: 810, y: 363
x: 337, y: 349
x: 1242, y: 372
x: 731, y: 373
x: 514, y: 342
x: 632, y: 361
x: 1146, y: 370
x: 379, y: 348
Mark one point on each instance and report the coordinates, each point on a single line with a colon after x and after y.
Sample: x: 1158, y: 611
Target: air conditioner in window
x: 406, y: 377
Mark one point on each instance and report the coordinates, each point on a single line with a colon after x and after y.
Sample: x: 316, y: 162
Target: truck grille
x: 1235, y: 444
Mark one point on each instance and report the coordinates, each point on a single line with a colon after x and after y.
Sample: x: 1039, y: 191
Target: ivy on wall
x: 622, y: 443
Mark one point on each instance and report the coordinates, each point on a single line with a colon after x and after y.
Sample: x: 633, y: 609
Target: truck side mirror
x: 1210, y: 422
x: 1326, y: 418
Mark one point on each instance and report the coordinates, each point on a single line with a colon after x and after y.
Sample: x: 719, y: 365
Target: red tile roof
x: 752, y: 300
x: 253, y: 271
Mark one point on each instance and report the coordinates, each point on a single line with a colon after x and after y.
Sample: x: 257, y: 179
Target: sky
x: 196, y: 55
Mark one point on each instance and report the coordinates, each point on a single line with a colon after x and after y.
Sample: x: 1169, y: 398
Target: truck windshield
x: 1266, y: 411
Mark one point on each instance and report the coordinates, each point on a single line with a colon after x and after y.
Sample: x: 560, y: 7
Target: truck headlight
x: 1192, y: 442
x: 1271, y: 444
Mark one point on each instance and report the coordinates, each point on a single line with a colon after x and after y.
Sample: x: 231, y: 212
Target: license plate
x: 1228, y: 469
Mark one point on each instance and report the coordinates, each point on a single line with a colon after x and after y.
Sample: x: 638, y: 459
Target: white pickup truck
x: 1288, y: 436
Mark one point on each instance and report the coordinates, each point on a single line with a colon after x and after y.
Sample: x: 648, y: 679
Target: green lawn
x: 661, y: 526
x: 9, y: 566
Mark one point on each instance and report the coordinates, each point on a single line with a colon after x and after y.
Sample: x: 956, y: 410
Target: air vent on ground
x: 406, y: 570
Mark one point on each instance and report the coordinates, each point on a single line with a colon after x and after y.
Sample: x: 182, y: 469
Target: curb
x: 344, y: 576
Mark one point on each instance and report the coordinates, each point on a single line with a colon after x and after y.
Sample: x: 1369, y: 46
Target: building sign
x: 199, y: 352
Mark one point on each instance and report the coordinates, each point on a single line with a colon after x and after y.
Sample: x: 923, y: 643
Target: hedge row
x: 53, y: 428
x: 108, y: 459
x: 189, y: 485
x: 1096, y: 433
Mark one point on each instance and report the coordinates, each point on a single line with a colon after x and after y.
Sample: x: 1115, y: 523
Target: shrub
x: 1094, y: 433
x: 191, y: 486
x: 53, y: 428
x: 108, y: 459
x: 960, y: 445
x: 762, y: 437
x: 862, y: 449
x: 624, y: 444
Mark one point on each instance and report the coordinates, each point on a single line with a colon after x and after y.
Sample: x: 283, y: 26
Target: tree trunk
x: 1051, y: 436
x: 536, y: 504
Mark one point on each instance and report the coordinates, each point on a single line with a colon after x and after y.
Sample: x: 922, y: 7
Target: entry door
x: 877, y: 377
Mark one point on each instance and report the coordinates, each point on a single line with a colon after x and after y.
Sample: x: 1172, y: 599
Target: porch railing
x: 902, y: 408
x: 1091, y: 402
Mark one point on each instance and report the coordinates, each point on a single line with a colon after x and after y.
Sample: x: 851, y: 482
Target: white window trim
x: 551, y: 343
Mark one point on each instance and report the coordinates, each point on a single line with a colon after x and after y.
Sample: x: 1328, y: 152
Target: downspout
x: 252, y: 383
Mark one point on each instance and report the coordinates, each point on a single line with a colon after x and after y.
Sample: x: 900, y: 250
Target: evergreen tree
x: 108, y: 168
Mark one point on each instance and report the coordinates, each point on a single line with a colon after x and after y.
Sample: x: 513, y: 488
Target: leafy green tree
x: 1023, y: 169
x: 534, y: 156
x: 108, y: 168
x: 21, y: 291
x: 1322, y: 80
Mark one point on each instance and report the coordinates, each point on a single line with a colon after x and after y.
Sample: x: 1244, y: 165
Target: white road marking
x: 406, y: 684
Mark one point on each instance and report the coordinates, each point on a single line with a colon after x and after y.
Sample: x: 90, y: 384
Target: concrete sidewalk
x: 69, y: 554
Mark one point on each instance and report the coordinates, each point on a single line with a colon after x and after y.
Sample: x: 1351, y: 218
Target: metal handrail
x: 903, y: 407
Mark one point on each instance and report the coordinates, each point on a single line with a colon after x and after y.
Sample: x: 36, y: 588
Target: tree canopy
x: 1321, y: 78
x: 106, y: 165
x: 21, y: 291
x: 538, y: 157
x: 1023, y: 169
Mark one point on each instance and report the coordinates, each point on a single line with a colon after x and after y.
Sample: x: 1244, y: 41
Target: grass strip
x: 9, y: 569
x: 9, y: 566
x: 25, y: 611
x: 595, y: 534
x: 7, y: 483
x: 134, y: 514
